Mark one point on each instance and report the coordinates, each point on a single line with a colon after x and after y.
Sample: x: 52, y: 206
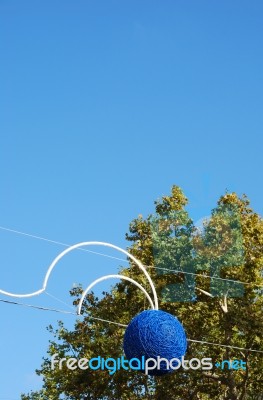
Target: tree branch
x: 204, y: 292
x: 223, y: 304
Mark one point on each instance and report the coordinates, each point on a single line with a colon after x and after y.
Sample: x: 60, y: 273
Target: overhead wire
x: 122, y: 325
x: 124, y: 260
x: 59, y: 300
x: 206, y: 276
x: 59, y: 243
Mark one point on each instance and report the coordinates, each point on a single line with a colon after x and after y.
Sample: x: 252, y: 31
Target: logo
x: 115, y: 364
x: 231, y: 364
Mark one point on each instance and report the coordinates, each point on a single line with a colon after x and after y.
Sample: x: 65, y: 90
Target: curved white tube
x: 103, y: 278
x: 22, y: 295
x: 76, y: 246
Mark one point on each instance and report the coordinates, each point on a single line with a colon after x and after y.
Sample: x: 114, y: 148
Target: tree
x: 211, y: 309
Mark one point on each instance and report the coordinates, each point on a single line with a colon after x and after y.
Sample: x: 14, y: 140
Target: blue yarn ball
x: 154, y: 333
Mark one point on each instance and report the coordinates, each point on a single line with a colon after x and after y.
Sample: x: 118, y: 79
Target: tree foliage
x: 185, y: 264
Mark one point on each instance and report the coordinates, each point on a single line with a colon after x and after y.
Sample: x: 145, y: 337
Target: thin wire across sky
x: 124, y: 260
x: 105, y: 320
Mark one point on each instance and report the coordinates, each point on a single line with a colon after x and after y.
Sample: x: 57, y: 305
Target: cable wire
x: 206, y: 276
x: 224, y: 345
x: 59, y: 300
x: 124, y: 260
x: 59, y: 243
x: 122, y: 325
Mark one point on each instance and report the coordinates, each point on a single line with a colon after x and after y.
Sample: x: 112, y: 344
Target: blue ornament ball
x: 154, y: 333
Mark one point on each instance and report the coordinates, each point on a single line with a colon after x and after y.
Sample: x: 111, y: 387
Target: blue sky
x: 104, y: 106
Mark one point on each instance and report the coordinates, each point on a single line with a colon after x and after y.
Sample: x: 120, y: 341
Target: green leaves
x: 229, y: 246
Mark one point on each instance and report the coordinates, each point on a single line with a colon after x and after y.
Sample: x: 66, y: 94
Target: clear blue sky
x: 103, y: 106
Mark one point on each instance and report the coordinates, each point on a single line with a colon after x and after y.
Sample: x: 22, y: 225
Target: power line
x: 123, y: 325
x: 59, y: 243
x: 206, y: 276
x: 59, y: 300
x: 124, y: 260
x: 37, y: 307
x: 58, y: 311
x: 224, y: 345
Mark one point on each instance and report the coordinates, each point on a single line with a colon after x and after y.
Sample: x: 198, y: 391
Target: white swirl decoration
x: 154, y: 304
